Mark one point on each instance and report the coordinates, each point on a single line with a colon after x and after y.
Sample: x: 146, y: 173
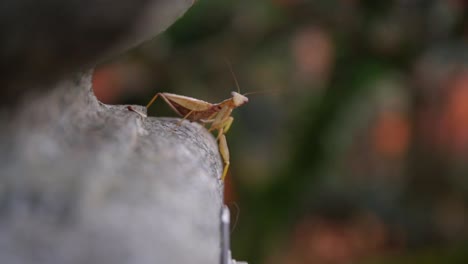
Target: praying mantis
x: 217, y: 115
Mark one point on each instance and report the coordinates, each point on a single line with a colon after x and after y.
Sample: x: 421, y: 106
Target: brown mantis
x: 218, y: 115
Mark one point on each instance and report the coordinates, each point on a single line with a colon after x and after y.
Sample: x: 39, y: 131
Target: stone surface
x: 84, y: 182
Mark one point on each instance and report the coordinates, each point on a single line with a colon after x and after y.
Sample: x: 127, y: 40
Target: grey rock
x: 85, y: 182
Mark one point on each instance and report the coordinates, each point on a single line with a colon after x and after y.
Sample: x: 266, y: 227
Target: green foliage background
x: 334, y: 72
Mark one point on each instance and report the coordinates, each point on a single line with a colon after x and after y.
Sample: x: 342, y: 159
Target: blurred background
x: 356, y: 149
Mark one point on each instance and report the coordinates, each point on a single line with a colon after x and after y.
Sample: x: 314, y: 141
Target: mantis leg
x: 228, y: 124
x: 225, y: 127
x: 152, y: 101
x: 207, y: 121
x: 130, y: 108
x: 185, y: 117
x: 210, y: 119
x: 224, y: 150
x: 222, y: 144
x: 220, y: 118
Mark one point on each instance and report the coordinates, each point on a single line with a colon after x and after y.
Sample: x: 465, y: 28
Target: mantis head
x: 239, y: 99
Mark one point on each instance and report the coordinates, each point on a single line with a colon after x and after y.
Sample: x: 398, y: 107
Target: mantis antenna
x: 228, y: 63
x: 259, y: 92
x: 233, y: 75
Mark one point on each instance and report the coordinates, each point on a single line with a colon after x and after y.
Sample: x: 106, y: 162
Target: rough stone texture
x: 84, y: 182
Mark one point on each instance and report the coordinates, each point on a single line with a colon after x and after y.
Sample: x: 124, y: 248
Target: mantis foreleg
x: 220, y: 118
x: 224, y: 150
x: 227, y: 124
x: 222, y: 143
